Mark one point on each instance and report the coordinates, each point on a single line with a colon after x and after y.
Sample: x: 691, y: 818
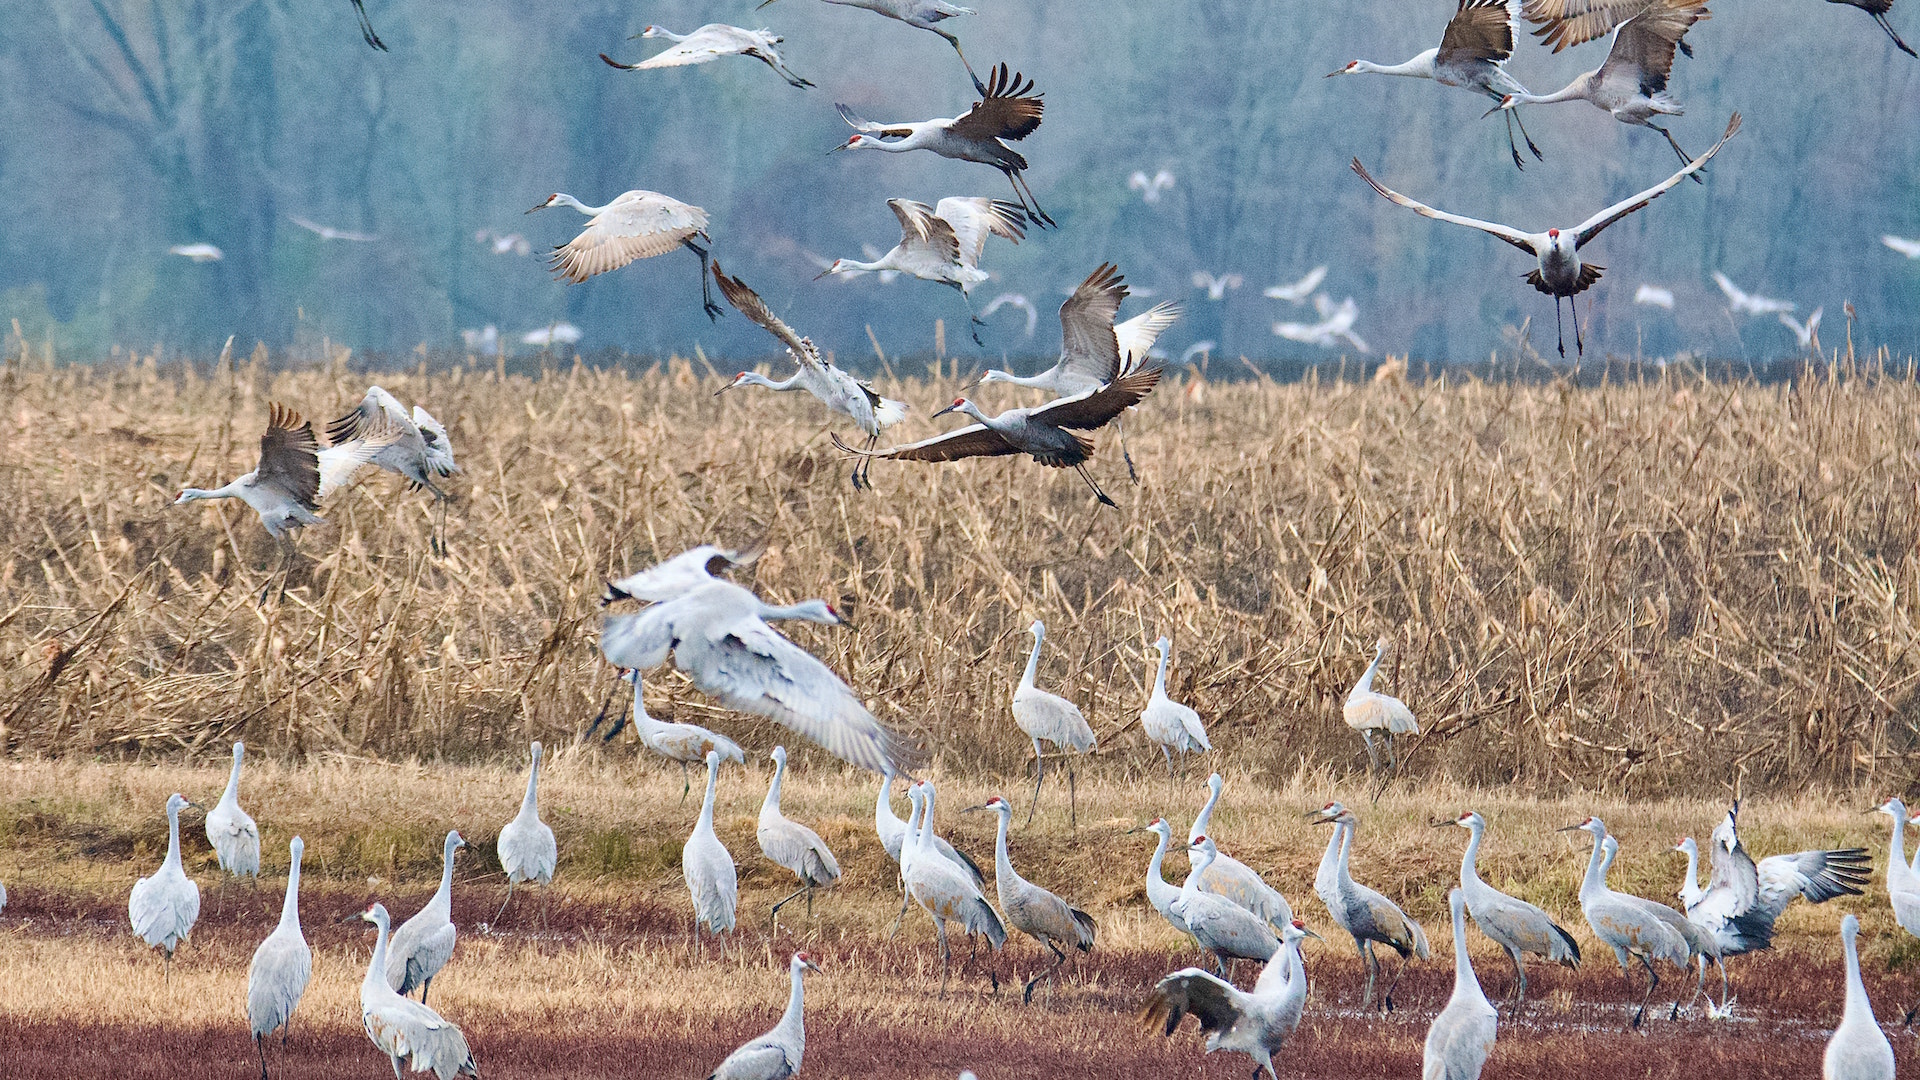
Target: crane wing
x: 921, y: 228
x: 1212, y: 1001
x: 1817, y: 875
x: 637, y: 225
x: 641, y: 641
x: 1641, y: 57
x: 974, y: 440
x: 1481, y: 30
x: 289, y: 457
x: 1566, y: 23
x: 1598, y: 223
x: 762, y: 1061
x: 378, y: 409
x: 974, y: 219
x: 340, y: 462
x: 748, y: 303
x: 1011, y: 110
x: 439, y: 447
x: 701, y: 46
x: 1085, y: 412
x: 1088, y: 346
x: 869, y: 127
x: 1136, y: 336
x: 1511, y: 235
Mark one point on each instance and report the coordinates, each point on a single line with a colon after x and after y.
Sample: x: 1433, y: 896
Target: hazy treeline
x: 129, y: 127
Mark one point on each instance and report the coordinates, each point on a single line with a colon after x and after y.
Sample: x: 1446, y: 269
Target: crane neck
x: 1858, y: 1009
x: 1346, y: 852
x: 231, y: 796
x: 1033, y: 658
x: 1160, y: 676
x: 445, y: 896
x: 173, y: 840
x: 530, y: 802
x: 910, y: 841
x: 1579, y: 89
x: 1036, y: 382
x: 377, y: 967
x: 1690, y: 886
x: 1365, y: 685
x: 1002, y: 862
x: 642, y: 720
x: 770, y: 806
x: 792, y: 1028
x: 706, y: 804
x: 290, y: 907
x: 883, y: 816
x: 1190, y: 888
x: 1469, y: 862
x: 847, y: 266
x: 229, y: 491
x: 1329, y: 872
x: 1295, y: 995
x: 1896, y: 848
x: 563, y: 199
x: 1205, y: 819
x: 661, y: 31
x: 791, y: 382
x: 926, y: 823
x: 1159, y: 856
x: 1464, y: 983
x: 1419, y: 67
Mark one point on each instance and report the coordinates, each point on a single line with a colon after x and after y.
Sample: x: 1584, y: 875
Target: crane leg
x: 686, y: 783
x: 1073, y: 799
x: 1386, y: 1002
x: 1373, y: 756
x: 1653, y: 983
x: 1513, y: 147
x: 1881, y: 18
x: 1058, y: 959
x: 1520, y: 970
x: 1372, y: 965
x: 1522, y: 125
x: 773, y: 917
x: 902, y: 918
x: 946, y: 955
x: 1559, y: 328
x: 973, y: 321
x: 1095, y: 488
x: 978, y: 86
x: 508, y: 900
x: 713, y: 310
x: 1579, y: 340
x: 1685, y: 158
x: 424, y: 987
x: 1169, y: 755
x: 1039, y: 770
x: 1035, y: 201
x: 257, y: 1045
x: 1120, y: 431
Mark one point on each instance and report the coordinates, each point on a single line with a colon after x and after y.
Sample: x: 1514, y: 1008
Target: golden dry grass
x: 1666, y: 586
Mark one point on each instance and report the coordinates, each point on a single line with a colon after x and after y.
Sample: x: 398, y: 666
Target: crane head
x: 1507, y: 102
x: 550, y: 200
x: 852, y: 144
x: 1893, y: 808
x: 650, y: 32
x: 1300, y: 930
x: 1348, y: 70
x: 1590, y: 824
x: 1327, y: 813
x: 1686, y: 846
x: 958, y: 404
x: 804, y: 961
x: 1553, y: 234
x: 835, y: 267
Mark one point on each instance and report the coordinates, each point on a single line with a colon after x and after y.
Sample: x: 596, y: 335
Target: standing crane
x: 793, y: 845
x: 920, y: 14
x: 708, y: 867
x: 164, y: 907
x: 1170, y: 725
x: 1701, y: 946
x: 1008, y: 109
x: 1903, y: 881
x: 1160, y: 893
x: 1508, y: 921
x: 943, y: 243
x: 281, y: 968
x: 1094, y: 350
x: 1222, y: 927
x: 526, y: 846
x: 1367, y: 710
x: 684, y: 743
x: 1461, y: 1037
x: 1858, y: 1049
x: 407, y: 1031
x: 943, y: 889
x: 1625, y: 923
x: 1366, y: 916
x: 424, y: 943
x: 417, y: 450
x: 852, y: 398
x: 1031, y: 909
x: 1229, y: 877
x: 717, y: 635
x: 234, y: 836
x: 711, y: 42
x: 637, y: 225
x: 1046, y: 433
x: 1472, y: 55
x: 1256, y: 1023
x: 1631, y: 85
x: 1562, y: 273
x: 775, y: 1055
x: 896, y: 835
x: 1046, y: 717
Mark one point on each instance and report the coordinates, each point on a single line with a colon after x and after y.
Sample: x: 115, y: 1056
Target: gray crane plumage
x: 712, y: 881
x: 1256, y: 1023
x: 943, y: 889
x: 1169, y: 724
x: 1229, y: 877
x: 1032, y: 910
x: 234, y: 836
x: 777, y: 1054
x: 1160, y: 892
x: 164, y: 907
x: 791, y: 844
x: 1222, y: 927
x: 526, y: 846
x: 685, y: 743
x: 1743, y: 898
x: 711, y: 42
x: 281, y: 968
x: 1508, y: 921
x: 1625, y: 923
x: 1462, y: 1035
x: 424, y: 943
x: 1858, y: 1049
x: 1363, y: 913
x: 1047, y: 717
x: 407, y: 1031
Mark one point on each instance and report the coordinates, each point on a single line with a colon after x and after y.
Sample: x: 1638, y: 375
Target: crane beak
x: 1311, y: 934
x: 837, y: 148
x: 825, y: 272
x: 972, y: 809
x: 542, y: 206
x: 1491, y: 111
x: 1442, y: 824
x: 944, y: 411
x: 1570, y: 828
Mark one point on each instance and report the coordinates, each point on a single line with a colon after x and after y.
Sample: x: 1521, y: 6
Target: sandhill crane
x: 1364, y: 914
x: 1562, y: 272
x: 1748, y: 303
x: 413, y: 445
x: 424, y: 943
x: 718, y: 637
x: 1632, y: 84
x: 1653, y: 296
x: 1461, y: 1037
x: 1472, y: 55
x: 775, y: 1055
x: 791, y: 844
x: 1858, y: 1049
x: 1229, y: 877
x: 1220, y: 926
x: 1743, y: 898
x: 1150, y: 187
x: 637, y: 225
x: 1366, y: 711
x: 1031, y: 909
x: 526, y: 846
x: 163, y: 907
x: 328, y: 232
x: 1903, y: 881
x: 1170, y: 725
x: 1217, y: 285
x: 1508, y: 921
x: 684, y: 743
x: 281, y: 968
x: 1160, y: 893
x: 234, y: 836
x: 1335, y: 326
x: 853, y: 398
x: 1806, y: 334
x: 200, y: 253
x: 1701, y: 945
x: 943, y: 889
x: 1047, y: 432
x: 1008, y: 109
x: 894, y: 835
x: 1296, y: 292
x: 1909, y: 248
x: 407, y: 1031
x: 943, y: 243
x: 1256, y: 1023
x: 1046, y: 717
x: 711, y: 42
x: 922, y: 15
x: 708, y: 867
x: 1626, y: 923
x: 366, y: 26
x: 1015, y: 300
x: 1094, y: 350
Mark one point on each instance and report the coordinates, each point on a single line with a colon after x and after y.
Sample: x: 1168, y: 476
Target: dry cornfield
x: 1652, y: 587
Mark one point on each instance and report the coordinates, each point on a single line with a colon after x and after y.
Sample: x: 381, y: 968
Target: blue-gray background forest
x: 127, y: 127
